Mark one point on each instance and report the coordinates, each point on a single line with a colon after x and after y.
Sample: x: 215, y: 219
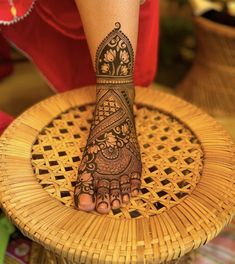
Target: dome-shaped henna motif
x: 114, y: 58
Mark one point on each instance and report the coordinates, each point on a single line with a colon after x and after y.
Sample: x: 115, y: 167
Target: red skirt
x: 50, y: 33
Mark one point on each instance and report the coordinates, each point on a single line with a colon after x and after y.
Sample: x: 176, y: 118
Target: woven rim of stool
x: 216, y: 27
x: 211, y: 78
x: 78, y: 236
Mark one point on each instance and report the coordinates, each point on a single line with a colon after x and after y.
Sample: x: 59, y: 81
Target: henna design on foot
x: 110, y: 170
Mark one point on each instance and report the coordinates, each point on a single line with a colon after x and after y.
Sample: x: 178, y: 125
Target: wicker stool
x: 187, y: 192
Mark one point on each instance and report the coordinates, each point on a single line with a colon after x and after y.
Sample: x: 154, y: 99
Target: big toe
x: 84, y: 198
x: 86, y: 202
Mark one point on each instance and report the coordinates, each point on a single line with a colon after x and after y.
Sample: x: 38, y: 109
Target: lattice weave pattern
x: 181, y: 206
x: 172, y: 159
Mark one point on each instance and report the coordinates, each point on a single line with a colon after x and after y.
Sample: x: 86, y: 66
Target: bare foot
x: 110, y: 170
x: 111, y: 167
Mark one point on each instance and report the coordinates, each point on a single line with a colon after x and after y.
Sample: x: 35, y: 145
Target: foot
x: 110, y: 170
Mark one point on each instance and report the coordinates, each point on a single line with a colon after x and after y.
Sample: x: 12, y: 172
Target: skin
x: 110, y: 171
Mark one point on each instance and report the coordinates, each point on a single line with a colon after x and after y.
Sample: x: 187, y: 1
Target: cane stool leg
x: 43, y: 256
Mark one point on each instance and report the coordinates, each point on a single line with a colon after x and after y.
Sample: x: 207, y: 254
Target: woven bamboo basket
x: 187, y: 189
x: 210, y: 84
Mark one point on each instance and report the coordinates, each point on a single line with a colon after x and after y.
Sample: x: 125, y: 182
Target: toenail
x: 85, y: 199
x: 85, y: 202
x: 135, y: 192
x: 116, y: 204
x: 102, y: 206
x: 126, y: 198
x: 86, y: 208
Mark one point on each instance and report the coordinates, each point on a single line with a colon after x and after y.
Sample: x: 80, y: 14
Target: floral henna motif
x: 111, y: 166
x: 103, y: 191
x: 115, y: 58
x: 85, y: 185
x: 115, y: 55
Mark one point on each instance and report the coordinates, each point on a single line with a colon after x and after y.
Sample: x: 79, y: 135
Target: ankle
x: 121, y: 89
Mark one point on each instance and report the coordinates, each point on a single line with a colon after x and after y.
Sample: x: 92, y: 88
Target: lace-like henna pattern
x: 111, y: 166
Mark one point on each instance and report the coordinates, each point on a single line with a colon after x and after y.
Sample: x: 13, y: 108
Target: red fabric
x: 22, y: 7
x: 52, y: 35
x: 64, y: 18
x: 6, y: 66
x: 5, y: 120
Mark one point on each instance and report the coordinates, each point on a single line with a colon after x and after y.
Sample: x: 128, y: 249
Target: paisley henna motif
x: 112, y: 157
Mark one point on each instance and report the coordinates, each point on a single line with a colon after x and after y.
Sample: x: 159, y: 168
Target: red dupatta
x: 50, y: 33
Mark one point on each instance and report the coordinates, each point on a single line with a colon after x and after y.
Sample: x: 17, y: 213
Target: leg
x: 111, y: 166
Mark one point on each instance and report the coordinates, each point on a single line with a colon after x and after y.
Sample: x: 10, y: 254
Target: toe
x: 135, y: 183
x: 125, y: 188
x: 102, y: 197
x: 86, y: 202
x: 115, y: 194
x: 84, y: 193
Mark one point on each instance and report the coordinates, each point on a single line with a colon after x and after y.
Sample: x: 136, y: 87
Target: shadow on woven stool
x: 187, y: 189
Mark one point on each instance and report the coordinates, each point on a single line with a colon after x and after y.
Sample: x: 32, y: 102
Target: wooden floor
x: 26, y: 86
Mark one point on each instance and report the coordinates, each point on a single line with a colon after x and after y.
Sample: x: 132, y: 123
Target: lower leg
x: 111, y: 166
